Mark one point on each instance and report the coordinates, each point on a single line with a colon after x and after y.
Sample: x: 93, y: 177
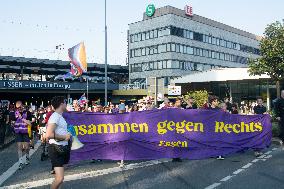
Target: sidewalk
x: 8, y: 140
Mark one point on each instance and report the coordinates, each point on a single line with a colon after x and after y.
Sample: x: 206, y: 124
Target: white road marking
x: 247, y: 166
x: 269, y: 152
x: 261, y: 157
x: 226, y: 178
x: 269, y: 156
x: 255, y: 160
x: 264, y: 157
x: 90, y: 174
x: 238, y: 171
x: 212, y: 186
x: 15, y: 167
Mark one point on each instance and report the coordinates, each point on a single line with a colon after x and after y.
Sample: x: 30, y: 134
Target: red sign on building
x: 188, y: 10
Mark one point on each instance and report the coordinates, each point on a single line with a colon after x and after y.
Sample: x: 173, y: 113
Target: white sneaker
x: 21, y: 166
x: 27, y: 161
x: 220, y: 158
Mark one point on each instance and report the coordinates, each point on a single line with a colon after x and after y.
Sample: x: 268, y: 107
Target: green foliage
x: 275, y: 129
x: 199, y: 96
x: 271, y: 61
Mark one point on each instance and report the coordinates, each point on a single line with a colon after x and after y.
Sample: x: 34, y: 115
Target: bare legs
x: 59, y: 177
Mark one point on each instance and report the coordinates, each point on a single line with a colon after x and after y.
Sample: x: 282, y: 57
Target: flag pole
x: 105, y: 57
x: 87, y: 89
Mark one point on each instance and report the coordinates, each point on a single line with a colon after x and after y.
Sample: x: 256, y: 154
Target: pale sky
x: 32, y: 28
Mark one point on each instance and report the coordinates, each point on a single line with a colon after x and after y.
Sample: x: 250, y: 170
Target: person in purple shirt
x: 22, y: 120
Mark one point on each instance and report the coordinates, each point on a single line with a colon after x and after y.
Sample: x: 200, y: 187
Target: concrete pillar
x: 22, y: 72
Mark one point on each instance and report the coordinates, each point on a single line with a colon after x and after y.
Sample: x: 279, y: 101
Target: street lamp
x: 105, y: 57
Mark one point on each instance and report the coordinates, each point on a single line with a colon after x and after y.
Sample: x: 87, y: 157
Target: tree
x: 271, y: 61
x: 200, y: 97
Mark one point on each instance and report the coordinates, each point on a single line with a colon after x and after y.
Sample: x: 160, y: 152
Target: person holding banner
x: 178, y: 104
x: 259, y: 109
x: 279, y: 110
x: 57, y: 133
x: 213, y: 105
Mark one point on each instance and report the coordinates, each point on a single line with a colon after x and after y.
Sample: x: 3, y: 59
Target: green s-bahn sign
x: 150, y: 10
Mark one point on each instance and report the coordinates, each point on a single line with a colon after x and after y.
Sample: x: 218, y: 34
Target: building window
x: 197, y: 36
x: 160, y: 32
x: 209, y: 39
x: 173, y: 47
x: 131, y: 53
x: 213, y: 54
x: 155, y: 49
x: 213, y: 40
x: 162, y: 48
x: 205, y: 38
x: 155, y: 33
x: 147, y: 35
x: 205, y: 53
x: 189, y: 50
x: 143, y: 51
x: 143, y: 36
x: 222, y: 56
x: 182, y: 48
x: 227, y: 57
x: 197, y: 51
x: 209, y: 54
x: 201, y: 52
x: 151, y: 65
x: 131, y: 38
x: 164, y: 64
x: 177, y: 48
x: 176, y: 31
x: 221, y: 42
x: 166, y: 31
x: 185, y: 32
x: 160, y: 65
x: 151, y: 34
x: 168, y: 47
x: 191, y: 35
x: 175, y: 64
x: 217, y: 55
x: 218, y: 41
x: 199, y: 67
x: 139, y: 37
x: 155, y: 65
x: 169, y: 64
x: 195, y: 66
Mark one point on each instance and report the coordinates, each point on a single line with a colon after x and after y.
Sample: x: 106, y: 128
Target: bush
x: 275, y: 129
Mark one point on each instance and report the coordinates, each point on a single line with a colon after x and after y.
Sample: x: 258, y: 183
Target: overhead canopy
x: 220, y: 74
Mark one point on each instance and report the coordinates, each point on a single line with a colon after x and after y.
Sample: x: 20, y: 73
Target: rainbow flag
x: 77, y: 55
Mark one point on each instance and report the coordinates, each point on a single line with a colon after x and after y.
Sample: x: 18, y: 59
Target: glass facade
x: 180, y: 32
x: 171, y: 64
x: 184, y: 49
x: 242, y: 90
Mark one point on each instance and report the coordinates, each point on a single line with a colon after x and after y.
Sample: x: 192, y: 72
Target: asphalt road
x: 239, y: 171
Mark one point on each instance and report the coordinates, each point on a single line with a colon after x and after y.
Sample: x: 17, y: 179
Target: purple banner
x: 169, y: 133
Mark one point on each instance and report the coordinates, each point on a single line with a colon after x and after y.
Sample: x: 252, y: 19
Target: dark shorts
x: 58, y: 159
x: 22, y: 137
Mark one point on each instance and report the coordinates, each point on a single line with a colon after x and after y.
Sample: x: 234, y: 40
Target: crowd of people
x: 48, y: 124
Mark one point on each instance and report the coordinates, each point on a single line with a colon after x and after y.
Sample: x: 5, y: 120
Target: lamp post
x: 105, y: 56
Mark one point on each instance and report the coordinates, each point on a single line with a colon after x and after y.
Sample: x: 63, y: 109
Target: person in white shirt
x: 57, y: 133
